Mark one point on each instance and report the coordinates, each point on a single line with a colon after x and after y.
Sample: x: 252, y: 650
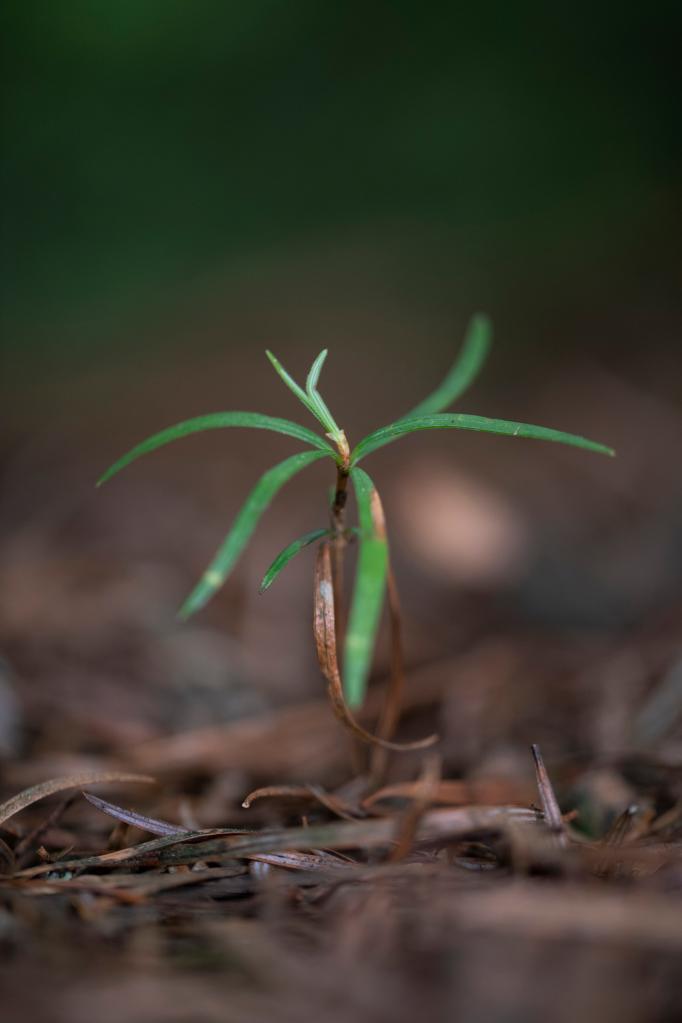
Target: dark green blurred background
x: 165, y: 162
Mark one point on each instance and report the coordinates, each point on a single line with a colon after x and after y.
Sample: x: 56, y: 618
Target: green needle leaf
x: 368, y: 593
x: 464, y: 371
x: 214, y: 421
x: 460, y: 421
x: 322, y: 410
x: 310, y: 397
x: 315, y: 370
x: 285, y: 556
x: 243, y: 526
x: 289, y: 381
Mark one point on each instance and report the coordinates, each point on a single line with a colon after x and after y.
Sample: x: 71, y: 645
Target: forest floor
x: 188, y: 833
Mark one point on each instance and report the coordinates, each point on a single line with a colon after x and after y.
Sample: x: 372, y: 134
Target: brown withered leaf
x: 442, y: 825
x: 325, y: 642
x: 305, y: 794
x: 134, y: 819
x: 548, y: 799
x: 74, y: 781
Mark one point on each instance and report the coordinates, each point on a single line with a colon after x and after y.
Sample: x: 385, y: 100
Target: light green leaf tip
x: 242, y: 528
x: 368, y: 593
x: 322, y: 410
x: 310, y: 398
x: 285, y: 556
x: 289, y: 380
x: 315, y: 370
x: 464, y: 371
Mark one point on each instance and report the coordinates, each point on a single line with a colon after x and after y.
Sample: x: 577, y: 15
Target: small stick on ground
x: 622, y: 825
x: 427, y: 789
x: 28, y: 844
x: 338, y: 547
x: 548, y: 799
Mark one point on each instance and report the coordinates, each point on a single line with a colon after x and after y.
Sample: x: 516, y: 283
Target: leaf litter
x: 330, y: 874
x: 396, y: 893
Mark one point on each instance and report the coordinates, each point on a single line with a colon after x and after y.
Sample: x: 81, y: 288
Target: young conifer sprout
x: 355, y: 655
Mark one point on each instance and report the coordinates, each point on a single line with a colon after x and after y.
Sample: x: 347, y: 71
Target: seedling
x: 373, y: 571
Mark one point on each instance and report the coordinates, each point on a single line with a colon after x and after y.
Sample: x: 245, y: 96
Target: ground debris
x: 263, y: 878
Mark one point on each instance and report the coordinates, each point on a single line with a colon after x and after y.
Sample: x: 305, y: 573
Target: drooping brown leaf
x: 325, y: 641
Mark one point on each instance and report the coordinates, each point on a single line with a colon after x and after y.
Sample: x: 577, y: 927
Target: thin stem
x: 426, y: 792
x: 337, y: 552
x: 338, y: 547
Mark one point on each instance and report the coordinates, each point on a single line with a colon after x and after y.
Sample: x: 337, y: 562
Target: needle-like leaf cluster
x: 370, y: 580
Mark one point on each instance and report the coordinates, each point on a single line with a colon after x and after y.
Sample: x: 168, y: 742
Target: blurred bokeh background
x: 165, y: 164
x: 184, y: 185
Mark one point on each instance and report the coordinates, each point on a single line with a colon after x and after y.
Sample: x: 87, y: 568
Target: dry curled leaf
x: 306, y: 794
x: 134, y: 819
x: 325, y: 641
x: 73, y: 781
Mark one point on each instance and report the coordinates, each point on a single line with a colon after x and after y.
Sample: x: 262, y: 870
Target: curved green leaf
x: 323, y: 413
x: 214, y: 421
x: 289, y: 381
x: 464, y: 371
x: 315, y: 370
x: 368, y: 593
x: 461, y: 421
x: 242, y: 528
x: 285, y: 556
x: 311, y: 398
